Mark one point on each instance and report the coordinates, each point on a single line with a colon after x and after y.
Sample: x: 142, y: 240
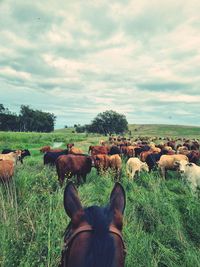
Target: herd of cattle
x: 141, y: 155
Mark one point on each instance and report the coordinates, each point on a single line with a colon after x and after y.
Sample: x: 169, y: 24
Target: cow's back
x: 167, y: 161
x: 6, y: 170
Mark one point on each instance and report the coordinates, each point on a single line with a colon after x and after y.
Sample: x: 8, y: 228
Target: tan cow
x: 116, y: 165
x: 166, y: 162
x: 75, y: 150
x: 13, y: 156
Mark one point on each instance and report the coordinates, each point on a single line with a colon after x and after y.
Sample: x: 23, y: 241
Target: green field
x: 165, y: 130
x: 161, y: 222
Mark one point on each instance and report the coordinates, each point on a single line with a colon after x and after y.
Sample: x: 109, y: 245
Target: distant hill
x: 162, y: 130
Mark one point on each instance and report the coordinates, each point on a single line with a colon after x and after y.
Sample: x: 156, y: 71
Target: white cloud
x: 12, y: 73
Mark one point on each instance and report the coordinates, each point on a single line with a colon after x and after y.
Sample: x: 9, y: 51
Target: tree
x: 36, y: 120
x: 79, y: 128
x: 2, y: 109
x: 8, y: 121
x: 108, y: 122
x: 28, y: 120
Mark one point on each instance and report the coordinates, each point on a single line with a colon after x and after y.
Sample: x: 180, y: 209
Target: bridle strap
x: 84, y: 228
x: 114, y: 230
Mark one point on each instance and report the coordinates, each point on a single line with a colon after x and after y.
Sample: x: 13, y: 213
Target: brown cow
x: 98, y: 150
x: 73, y: 165
x: 101, y: 162
x: 45, y: 149
x: 70, y: 145
x: 128, y: 151
x: 6, y: 170
x: 144, y: 154
x: 74, y: 150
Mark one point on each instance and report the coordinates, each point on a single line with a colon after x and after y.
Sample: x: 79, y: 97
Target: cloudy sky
x: 78, y: 58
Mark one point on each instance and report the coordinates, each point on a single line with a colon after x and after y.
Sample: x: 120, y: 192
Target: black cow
x: 153, y: 158
x: 138, y: 150
x: 51, y: 157
x: 25, y: 153
x: 114, y: 150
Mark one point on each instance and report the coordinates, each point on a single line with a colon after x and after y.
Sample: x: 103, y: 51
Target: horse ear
x: 118, y: 198
x: 72, y: 203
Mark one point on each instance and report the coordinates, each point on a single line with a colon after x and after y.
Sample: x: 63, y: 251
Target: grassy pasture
x: 161, y: 222
x: 165, y: 130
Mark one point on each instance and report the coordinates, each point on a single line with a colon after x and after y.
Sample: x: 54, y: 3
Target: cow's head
x: 70, y: 145
x: 18, y: 154
x: 144, y: 167
x: 182, y: 165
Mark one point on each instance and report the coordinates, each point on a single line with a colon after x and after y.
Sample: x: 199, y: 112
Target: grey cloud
x: 132, y: 89
x: 153, y: 20
x: 168, y: 86
x: 100, y: 20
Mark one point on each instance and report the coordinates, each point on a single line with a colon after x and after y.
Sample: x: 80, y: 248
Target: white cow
x: 135, y: 166
x: 191, y: 172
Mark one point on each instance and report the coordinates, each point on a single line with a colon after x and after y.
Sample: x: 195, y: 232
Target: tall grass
x: 161, y: 221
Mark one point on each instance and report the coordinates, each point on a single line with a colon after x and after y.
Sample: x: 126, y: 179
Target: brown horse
x: 93, y: 238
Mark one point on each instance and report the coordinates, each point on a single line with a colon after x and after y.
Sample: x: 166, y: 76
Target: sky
x: 78, y: 58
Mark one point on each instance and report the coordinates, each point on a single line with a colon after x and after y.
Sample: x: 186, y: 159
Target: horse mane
x: 101, y: 252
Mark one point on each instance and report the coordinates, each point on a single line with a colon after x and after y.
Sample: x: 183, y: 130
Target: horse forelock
x: 101, y: 251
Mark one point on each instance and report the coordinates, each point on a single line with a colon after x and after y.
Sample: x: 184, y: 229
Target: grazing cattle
x: 138, y: 150
x: 13, y: 156
x: 134, y: 166
x: 103, y: 143
x: 94, y: 150
x: 56, y: 150
x: 73, y: 165
x: 70, y: 145
x: 75, y: 150
x: 49, y: 149
x: 45, y: 149
x: 51, y: 157
x: 114, y: 150
x: 182, y: 150
x: 191, y: 172
x: 93, y: 238
x: 116, y: 165
x: 24, y: 153
x: 172, y: 144
x: 191, y: 145
x: 144, y: 154
x: 153, y: 158
x: 193, y: 156
x: 101, y: 162
x: 6, y: 170
x: 128, y: 151
x: 166, y: 162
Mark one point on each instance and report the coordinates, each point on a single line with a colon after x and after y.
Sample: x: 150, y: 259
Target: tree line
x: 106, y: 123
x: 28, y: 120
